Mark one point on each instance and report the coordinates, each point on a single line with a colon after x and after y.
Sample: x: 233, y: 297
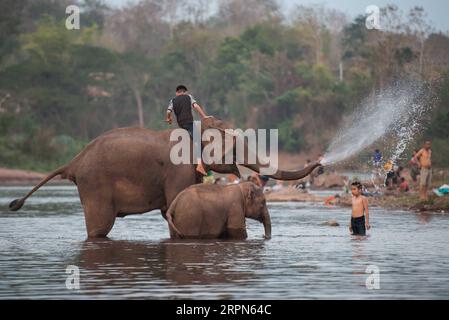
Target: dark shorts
x: 196, y: 145
x: 188, y: 127
x: 358, y: 226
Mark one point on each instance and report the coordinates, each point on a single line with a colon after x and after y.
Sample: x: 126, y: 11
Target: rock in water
x: 331, y: 223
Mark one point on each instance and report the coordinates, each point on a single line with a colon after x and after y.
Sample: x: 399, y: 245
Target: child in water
x: 360, y: 211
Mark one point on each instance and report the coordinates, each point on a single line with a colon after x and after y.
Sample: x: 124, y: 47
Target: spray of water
x: 397, y: 112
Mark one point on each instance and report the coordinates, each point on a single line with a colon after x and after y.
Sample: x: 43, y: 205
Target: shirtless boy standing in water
x: 360, y: 211
x: 424, y: 160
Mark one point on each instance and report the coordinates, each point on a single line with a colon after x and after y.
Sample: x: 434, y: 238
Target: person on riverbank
x: 424, y: 159
x: 404, y: 187
x: 377, y: 158
x: 360, y: 211
x: 182, y: 105
x: 331, y: 201
x: 389, y: 169
x: 414, y: 168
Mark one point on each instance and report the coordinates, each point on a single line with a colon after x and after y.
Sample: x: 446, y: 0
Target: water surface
x: 304, y: 260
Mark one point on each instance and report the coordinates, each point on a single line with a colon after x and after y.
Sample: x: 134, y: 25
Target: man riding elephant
x: 182, y: 106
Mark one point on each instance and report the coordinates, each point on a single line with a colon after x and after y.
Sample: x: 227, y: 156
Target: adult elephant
x: 128, y: 171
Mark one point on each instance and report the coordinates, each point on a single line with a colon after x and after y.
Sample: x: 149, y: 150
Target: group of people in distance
x: 420, y: 171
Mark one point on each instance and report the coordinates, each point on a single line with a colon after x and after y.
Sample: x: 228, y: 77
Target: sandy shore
x: 410, y: 202
x: 390, y: 201
x: 292, y: 195
x: 22, y: 177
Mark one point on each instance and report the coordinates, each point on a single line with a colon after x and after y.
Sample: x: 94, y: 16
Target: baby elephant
x: 213, y: 211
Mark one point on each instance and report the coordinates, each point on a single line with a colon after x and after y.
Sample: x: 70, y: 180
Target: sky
x: 437, y: 10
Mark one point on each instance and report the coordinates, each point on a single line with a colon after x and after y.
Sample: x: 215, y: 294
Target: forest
x: 246, y: 62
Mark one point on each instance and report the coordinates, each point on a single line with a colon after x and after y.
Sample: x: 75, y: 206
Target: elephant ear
x: 251, y: 194
x: 217, y: 124
x: 213, y: 123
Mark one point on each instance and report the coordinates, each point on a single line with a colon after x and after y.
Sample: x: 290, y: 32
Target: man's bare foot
x: 201, y: 170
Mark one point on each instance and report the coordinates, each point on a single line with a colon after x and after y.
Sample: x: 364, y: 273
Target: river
x: 408, y: 253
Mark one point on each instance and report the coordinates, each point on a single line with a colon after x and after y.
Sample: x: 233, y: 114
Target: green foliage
x: 441, y: 152
x: 9, y: 26
x: 322, y: 77
x: 265, y: 38
x: 290, y: 138
x: 59, y: 89
x: 438, y: 131
x: 355, y: 39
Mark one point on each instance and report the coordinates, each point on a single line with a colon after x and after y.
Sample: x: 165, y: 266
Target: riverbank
x: 22, y: 177
x: 392, y: 201
x: 409, y: 202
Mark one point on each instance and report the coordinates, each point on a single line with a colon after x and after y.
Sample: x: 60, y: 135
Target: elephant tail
x: 170, y: 220
x: 18, y: 203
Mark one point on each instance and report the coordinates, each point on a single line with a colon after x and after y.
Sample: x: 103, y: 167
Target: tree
x: 419, y: 27
x: 355, y: 38
x: 245, y: 63
x: 136, y: 76
x: 94, y: 12
x: 238, y: 15
x: 10, y: 21
x: 138, y: 28
x: 311, y: 20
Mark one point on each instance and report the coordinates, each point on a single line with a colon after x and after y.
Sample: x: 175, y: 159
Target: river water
x: 304, y: 260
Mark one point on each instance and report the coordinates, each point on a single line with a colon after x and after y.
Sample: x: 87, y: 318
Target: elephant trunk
x: 295, y: 175
x: 267, y: 224
x: 212, y: 123
x: 287, y: 175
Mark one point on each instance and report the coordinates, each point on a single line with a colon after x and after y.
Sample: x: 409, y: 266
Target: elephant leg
x: 99, y: 220
x: 99, y: 214
x: 237, y: 234
x: 236, y: 224
x: 177, y: 180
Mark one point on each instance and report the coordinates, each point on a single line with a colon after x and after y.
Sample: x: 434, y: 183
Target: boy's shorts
x: 358, y: 226
x: 425, y: 177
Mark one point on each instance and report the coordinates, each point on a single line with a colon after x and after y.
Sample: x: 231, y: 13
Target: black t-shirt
x: 182, y: 107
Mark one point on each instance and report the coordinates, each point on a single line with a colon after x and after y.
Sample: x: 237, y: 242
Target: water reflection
x: 108, y: 262
x: 303, y: 260
x: 359, y: 259
x: 424, y: 217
